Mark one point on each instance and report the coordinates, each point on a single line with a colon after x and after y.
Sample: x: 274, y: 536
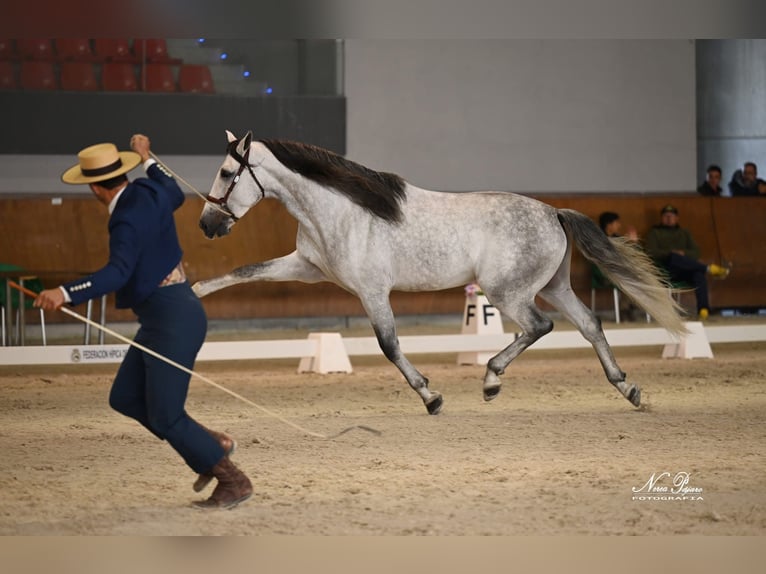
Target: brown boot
x: 228, y: 444
x: 233, y: 486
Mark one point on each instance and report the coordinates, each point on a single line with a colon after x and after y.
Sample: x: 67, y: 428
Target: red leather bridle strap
x: 222, y: 202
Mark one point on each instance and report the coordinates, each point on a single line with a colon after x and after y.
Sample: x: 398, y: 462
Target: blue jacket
x: 143, y: 244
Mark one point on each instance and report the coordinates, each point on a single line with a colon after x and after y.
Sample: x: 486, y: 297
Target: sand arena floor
x: 558, y: 452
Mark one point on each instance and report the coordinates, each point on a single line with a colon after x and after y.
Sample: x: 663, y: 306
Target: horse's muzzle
x: 214, y: 227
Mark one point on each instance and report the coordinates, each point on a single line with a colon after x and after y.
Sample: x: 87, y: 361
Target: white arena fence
x: 330, y: 352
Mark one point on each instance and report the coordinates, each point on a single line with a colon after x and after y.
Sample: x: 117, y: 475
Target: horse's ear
x: 230, y: 136
x: 244, y: 144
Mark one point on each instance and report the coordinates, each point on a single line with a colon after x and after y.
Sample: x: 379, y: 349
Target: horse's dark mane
x: 378, y: 192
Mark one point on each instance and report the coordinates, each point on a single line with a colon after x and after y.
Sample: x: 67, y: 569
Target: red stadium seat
x: 153, y: 50
x: 119, y: 77
x: 159, y: 78
x: 35, y: 49
x: 38, y: 75
x: 8, y: 75
x: 195, y: 78
x: 7, y: 49
x: 74, y: 49
x: 113, y: 49
x: 78, y: 77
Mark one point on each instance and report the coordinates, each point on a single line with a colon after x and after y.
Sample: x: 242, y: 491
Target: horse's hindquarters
x: 497, y: 239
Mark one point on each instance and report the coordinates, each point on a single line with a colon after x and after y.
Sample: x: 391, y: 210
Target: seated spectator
x: 746, y: 182
x: 712, y: 183
x: 673, y: 249
x: 610, y: 224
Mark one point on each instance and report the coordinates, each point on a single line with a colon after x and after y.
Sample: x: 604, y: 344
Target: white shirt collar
x: 115, y: 199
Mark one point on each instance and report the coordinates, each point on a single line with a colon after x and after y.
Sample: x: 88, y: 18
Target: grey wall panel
x: 731, y: 116
x: 525, y: 115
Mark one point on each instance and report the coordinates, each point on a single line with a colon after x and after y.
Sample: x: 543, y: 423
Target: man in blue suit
x: 146, y: 272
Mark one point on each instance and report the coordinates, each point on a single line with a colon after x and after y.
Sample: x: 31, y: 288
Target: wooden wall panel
x: 60, y: 242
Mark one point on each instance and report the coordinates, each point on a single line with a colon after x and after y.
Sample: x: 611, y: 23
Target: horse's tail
x: 627, y: 266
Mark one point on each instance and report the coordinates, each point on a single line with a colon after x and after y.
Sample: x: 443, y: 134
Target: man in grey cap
x: 673, y: 248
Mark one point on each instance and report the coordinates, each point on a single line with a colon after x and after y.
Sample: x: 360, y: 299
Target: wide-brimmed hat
x: 100, y: 162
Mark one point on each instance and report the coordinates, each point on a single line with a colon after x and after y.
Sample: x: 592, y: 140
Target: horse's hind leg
x: 565, y: 300
x: 383, y: 323
x: 534, y: 324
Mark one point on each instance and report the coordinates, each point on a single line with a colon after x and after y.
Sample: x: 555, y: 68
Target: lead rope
x: 187, y: 184
x: 199, y: 376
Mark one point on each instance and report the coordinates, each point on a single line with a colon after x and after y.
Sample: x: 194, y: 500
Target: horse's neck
x: 309, y: 202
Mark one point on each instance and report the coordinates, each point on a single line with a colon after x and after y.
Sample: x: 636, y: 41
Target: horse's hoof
x: 434, y: 404
x: 491, y: 392
x: 492, y: 385
x: 630, y: 392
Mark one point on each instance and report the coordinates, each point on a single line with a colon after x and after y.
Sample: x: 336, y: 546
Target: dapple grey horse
x: 372, y: 232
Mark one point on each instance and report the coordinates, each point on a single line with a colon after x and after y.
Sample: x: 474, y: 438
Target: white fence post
x: 330, y: 356
x: 694, y: 345
x: 480, y: 317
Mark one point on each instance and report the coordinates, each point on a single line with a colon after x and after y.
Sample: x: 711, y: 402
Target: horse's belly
x: 433, y: 271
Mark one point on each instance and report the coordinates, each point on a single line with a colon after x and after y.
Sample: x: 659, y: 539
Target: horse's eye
x: 226, y: 174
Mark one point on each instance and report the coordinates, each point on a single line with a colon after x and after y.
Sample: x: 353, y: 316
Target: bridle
x: 222, y: 202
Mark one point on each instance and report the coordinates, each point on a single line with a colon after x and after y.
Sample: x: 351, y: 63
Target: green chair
x: 8, y: 306
x: 677, y: 288
x: 599, y: 281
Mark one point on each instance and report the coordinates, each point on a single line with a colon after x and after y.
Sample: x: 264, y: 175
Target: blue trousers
x: 688, y: 270
x: 173, y: 324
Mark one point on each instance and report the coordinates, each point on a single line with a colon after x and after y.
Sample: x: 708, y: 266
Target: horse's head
x: 233, y: 192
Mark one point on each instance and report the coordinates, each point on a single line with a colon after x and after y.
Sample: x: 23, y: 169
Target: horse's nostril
x: 205, y: 229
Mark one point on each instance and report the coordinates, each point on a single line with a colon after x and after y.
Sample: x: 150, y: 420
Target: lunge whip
x: 195, y: 374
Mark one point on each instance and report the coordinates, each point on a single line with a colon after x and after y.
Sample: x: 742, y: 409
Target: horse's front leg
x: 288, y: 268
x: 383, y: 323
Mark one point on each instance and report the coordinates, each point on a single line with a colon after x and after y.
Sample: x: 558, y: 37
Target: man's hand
x: 140, y: 144
x: 50, y: 299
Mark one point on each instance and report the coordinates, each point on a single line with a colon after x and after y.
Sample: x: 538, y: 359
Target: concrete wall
x: 731, y: 118
x: 525, y: 115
